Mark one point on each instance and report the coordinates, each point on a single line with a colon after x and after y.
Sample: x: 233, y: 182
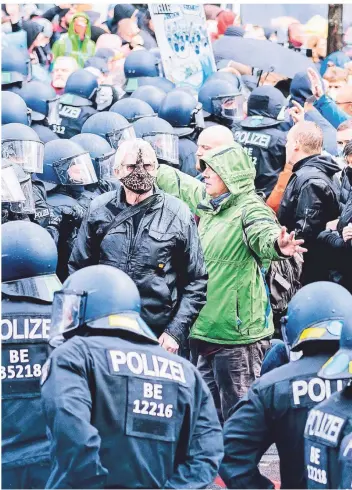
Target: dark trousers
x: 230, y: 371
x: 33, y: 476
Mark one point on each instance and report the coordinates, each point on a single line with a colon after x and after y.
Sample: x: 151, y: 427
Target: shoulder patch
x: 45, y: 372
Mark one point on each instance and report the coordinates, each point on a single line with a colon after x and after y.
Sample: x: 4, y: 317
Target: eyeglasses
x: 341, y: 103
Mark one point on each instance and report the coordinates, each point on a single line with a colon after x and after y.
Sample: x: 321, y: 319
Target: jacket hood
x: 325, y: 163
x: 266, y: 101
x: 300, y: 88
x: 32, y: 29
x: 234, y: 167
x: 337, y: 58
x: 71, y: 31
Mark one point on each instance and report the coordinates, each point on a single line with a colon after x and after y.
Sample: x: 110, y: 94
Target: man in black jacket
x: 311, y: 196
x: 153, y: 238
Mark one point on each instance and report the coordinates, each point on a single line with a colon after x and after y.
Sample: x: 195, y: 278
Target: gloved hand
x: 75, y: 213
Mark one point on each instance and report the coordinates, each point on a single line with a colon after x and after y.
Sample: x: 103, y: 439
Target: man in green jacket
x: 231, y: 334
x: 76, y: 42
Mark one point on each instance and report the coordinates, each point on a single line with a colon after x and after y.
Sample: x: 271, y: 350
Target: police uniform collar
x: 257, y: 122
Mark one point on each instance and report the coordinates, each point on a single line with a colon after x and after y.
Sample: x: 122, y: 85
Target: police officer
x: 161, y: 135
x: 110, y: 126
x: 276, y: 407
x: 222, y: 99
x: 38, y: 96
x: 140, y: 63
x: 260, y: 135
x: 150, y: 94
x: 76, y: 104
x: 15, y: 68
x: 102, y: 156
x: 185, y: 115
x: 14, y: 109
x: 17, y: 203
x: 67, y: 169
x: 158, y: 82
x: 29, y: 259
x: 22, y: 146
x: 121, y: 411
x: 328, y: 432
x: 132, y: 109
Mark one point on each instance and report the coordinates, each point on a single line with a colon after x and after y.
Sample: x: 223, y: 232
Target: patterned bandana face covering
x: 139, y: 180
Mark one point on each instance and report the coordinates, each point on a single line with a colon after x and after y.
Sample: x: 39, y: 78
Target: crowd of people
x: 177, y: 266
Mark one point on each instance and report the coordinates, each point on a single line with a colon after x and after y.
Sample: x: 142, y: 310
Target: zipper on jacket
x: 305, y: 218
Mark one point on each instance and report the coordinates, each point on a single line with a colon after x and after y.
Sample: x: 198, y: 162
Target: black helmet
x: 21, y: 144
x: 67, y: 163
x: 132, y: 109
x: 151, y: 95
x: 316, y: 313
x: 222, y: 99
x: 15, y: 67
x: 37, y: 96
x: 161, y: 135
x: 138, y: 64
x: 265, y: 107
x: 29, y: 261
x: 45, y: 134
x: 80, y: 89
x: 100, y: 152
x: 113, y: 127
x: 182, y: 111
x: 14, y: 109
x: 159, y: 82
x: 98, y: 297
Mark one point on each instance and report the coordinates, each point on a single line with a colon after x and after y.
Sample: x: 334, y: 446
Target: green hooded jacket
x: 237, y: 309
x: 69, y: 44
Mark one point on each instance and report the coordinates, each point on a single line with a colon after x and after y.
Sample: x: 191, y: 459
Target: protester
x: 63, y: 67
x: 157, y: 244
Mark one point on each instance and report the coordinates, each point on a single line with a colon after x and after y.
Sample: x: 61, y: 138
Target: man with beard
x: 63, y: 67
x: 151, y: 236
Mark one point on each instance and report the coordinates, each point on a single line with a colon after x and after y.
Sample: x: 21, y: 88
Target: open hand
x: 288, y: 244
x: 315, y: 82
x: 168, y: 343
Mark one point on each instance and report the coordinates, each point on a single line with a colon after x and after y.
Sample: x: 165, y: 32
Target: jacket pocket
x: 157, y: 248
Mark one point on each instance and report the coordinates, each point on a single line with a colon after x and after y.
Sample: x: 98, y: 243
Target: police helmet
x: 161, y: 135
x: 37, y: 96
x: 14, y: 109
x: 21, y: 144
x: 316, y: 313
x: 222, y: 99
x: 111, y: 126
x: 230, y: 77
x: 11, y: 191
x: 100, y: 152
x: 182, y: 111
x: 98, y: 297
x: 265, y: 107
x: 28, y: 205
x: 45, y: 134
x: 157, y: 53
x: 151, y: 95
x: 29, y: 260
x: 66, y: 163
x: 339, y: 366
x: 159, y: 82
x: 15, y: 66
x: 138, y: 64
x: 132, y: 109
x: 80, y: 89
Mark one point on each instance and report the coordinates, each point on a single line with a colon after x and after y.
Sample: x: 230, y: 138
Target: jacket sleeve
x: 67, y: 406
x: 311, y: 210
x: 58, y: 49
x: 205, y: 451
x: 85, y: 251
x: 328, y: 108
x: 192, y: 283
x: 181, y: 185
x: 247, y: 435
x: 261, y: 230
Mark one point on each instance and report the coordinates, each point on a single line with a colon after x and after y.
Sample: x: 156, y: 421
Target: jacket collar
x: 119, y: 201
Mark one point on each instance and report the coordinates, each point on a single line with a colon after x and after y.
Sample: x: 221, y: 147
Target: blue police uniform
x: 327, y: 424
x: 25, y: 449
x: 346, y: 462
x: 124, y: 413
x: 274, y: 410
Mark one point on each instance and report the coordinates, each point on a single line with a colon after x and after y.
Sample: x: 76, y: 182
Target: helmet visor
x: 229, y: 106
x: 77, y: 170
x: 28, y: 154
x: 117, y: 137
x: 68, y: 311
x: 27, y: 206
x: 165, y: 146
x: 39, y: 287
x: 199, y: 117
x: 10, y: 187
x: 105, y: 166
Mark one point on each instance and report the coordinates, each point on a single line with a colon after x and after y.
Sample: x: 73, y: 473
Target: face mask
x: 138, y: 181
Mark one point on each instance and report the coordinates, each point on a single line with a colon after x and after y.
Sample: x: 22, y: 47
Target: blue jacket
x: 124, y: 413
x: 328, y: 108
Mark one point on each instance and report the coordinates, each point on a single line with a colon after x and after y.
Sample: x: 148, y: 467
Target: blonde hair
x: 309, y: 136
x: 137, y: 148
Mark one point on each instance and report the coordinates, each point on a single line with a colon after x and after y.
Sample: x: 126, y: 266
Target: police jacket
x: 265, y: 144
x: 274, y: 410
x: 45, y: 215
x: 69, y: 119
x: 187, y: 155
x: 125, y: 413
x: 346, y: 186
x: 309, y: 202
x: 156, y: 243
x: 24, y: 332
x: 72, y: 214
x: 327, y: 425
